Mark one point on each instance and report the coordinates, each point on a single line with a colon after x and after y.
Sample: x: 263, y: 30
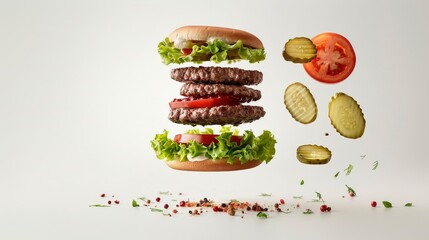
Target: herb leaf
x: 336, y: 174
x: 387, y: 204
x: 98, y: 205
x: 135, y: 204
x: 348, y: 170
x: 408, y: 204
x: 375, y: 165
x: 265, y: 195
x: 308, y: 211
x: 156, y: 210
x: 302, y: 182
x: 297, y: 197
x: 351, y: 190
x: 165, y: 193
x: 319, y: 197
x: 262, y: 215
x: 143, y: 199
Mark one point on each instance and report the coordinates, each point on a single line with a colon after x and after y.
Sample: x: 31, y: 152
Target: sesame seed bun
x: 204, y: 33
x: 212, y: 165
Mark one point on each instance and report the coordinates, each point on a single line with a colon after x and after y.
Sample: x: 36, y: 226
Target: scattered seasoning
x: 103, y: 195
x: 265, y: 195
x: 158, y: 199
x: 98, y: 205
x: 374, y: 165
x: 348, y: 170
x: 282, y: 201
x: 182, y: 203
x: 308, y: 211
x: 373, y: 204
x: 336, y: 174
x: 165, y: 193
x: 302, y: 182
x: 328, y: 209
x: 408, y: 205
x: 166, y: 206
x: 262, y: 215
x: 326, y: 134
x: 323, y: 208
x: 135, y: 204
x: 109, y: 202
x: 387, y: 204
x: 231, y: 210
x: 351, y: 191
x: 362, y: 156
x: 117, y: 201
x: 174, y: 211
x: 297, y: 197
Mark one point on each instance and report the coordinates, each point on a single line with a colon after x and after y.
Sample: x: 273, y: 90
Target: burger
x: 214, y: 96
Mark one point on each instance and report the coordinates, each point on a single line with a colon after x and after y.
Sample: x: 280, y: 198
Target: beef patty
x: 219, y: 115
x: 223, y: 75
x: 244, y: 94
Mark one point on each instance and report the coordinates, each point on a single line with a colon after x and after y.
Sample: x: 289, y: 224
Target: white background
x: 83, y: 91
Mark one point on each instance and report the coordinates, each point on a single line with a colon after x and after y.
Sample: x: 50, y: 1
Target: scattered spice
x: 282, y: 201
x: 103, y: 195
x: 408, y: 205
x: 265, y: 195
x: 109, y: 202
x: 373, y: 204
x: 117, y: 201
x: 302, y: 182
x: 166, y: 206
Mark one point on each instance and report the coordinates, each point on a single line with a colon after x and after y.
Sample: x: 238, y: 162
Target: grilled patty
x: 223, y: 75
x: 220, y: 115
x: 244, y: 94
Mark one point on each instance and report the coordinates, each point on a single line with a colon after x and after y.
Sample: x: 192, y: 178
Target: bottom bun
x: 212, y: 165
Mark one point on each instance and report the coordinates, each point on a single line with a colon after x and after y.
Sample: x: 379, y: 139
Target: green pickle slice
x: 346, y: 116
x: 300, y: 103
x: 299, y: 50
x: 313, y: 154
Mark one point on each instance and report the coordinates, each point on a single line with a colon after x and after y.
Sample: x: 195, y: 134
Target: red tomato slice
x: 186, y: 51
x: 335, y: 58
x: 205, y: 139
x: 203, y: 102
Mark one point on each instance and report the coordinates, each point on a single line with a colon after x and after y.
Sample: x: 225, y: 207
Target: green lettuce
x: 251, y: 147
x: 216, y: 50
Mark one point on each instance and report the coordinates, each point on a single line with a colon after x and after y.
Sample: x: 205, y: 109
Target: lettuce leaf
x: 252, y: 147
x: 216, y: 50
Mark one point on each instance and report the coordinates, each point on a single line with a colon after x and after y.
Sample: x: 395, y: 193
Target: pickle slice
x: 313, y: 154
x: 346, y: 116
x: 299, y: 50
x: 300, y: 103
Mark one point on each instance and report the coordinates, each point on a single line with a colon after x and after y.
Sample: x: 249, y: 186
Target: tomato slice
x: 203, y: 102
x: 186, y: 51
x: 205, y: 139
x: 335, y: 58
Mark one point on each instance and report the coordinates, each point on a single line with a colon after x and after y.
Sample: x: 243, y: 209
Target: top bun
x: 204, y: 33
